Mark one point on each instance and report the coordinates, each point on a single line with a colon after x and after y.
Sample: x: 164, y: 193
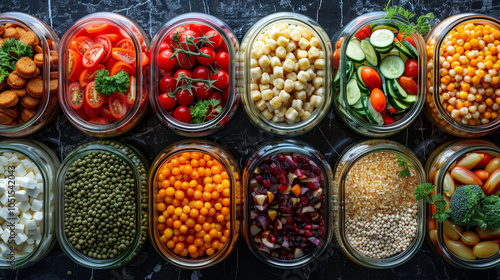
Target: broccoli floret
x: 466, y: 207
x: 491, y: 209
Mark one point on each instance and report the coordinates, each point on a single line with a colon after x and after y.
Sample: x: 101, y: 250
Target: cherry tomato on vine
x: 164, y: 46
x: 185, y: 61
x: 164, y: 61
x: 187, y: 39
x: 206, y: 61
x: 225, y: 93
x: 221, y: 79
x: 215, y: 39
x: 182, y: 114
x: 222, y: 60
x: 181, y: 73
x: 167, y: 84
x: 216, y: 95
x: 184, y: 97
x: 200, y: 28
x: 201, y: 91
x: 201, y: 72
x: 166, y: 101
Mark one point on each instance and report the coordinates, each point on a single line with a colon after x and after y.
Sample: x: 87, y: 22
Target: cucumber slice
x: 336, y: 80
x: 361, y: 112
x: 371, y: 55
x: 373, y: 116
x: 358, y: 105
x: 361, y: 85
x: 382, y: 38
x: 411, y: 49
x: 349, y: 73
x: 392, y: 67
x: 410, y: 99
x: 352, y: 91
x: 355, y: 53
x: 384, y: 50
x: 398, y: 105
x: 402, y: 49
x: 398, y: 90
x: 356, y: 41
x: 390, y: 89
x: 392, y: 27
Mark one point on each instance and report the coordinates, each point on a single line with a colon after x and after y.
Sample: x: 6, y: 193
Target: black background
x: 240, y: 137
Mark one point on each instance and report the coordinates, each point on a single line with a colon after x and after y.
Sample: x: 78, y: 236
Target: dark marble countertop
x: 330, y: 137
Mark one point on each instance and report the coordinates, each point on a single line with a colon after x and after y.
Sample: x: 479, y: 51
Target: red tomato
x: 75, y: 65
x: 221, y: 79
x: 225, y: 93
x: 164, y: 46
x: 201, y: 72
x: 207, y: 61
x: 363, y: 33
x: 166, y: 101
x: 106, y: 43
x: 131, y: 91
x: 215, y: 39
x: 200, y: 28
x: 93, y: 55
x: 187, y: 38
x: 92, y: 97
x: 175, y: 34
x: 122, y: 66
x: 222, y: 60
x: 184, y: 97
x: 91, y: 112
x: 164, y: 61
x: 371, y: 77
x: 136, y: 33
x: 222, y: 48
x: 81, y: 112
x: 484, y: 161
x: 388, y: 119
x: 105, y: 113
x: 125, y: 44
x: 377, y: 98
x: 186, y: 62
x: 83, y: 43
x: 408, y: 85
x: 96, y: 27
x: 99, y: 120
x: 113, y: 37
x: 118, y: 105
x: 111, y: 61
x: 75, y: 95
x: 182, y: 114
x: 144, y: 59
x: 125, y: 55
x: 216, y: 95
x: 167, y: 84
x: 201, y: 91
x: 336, y: 58
x: 88, y: 74
x: 181, y: 73
x: 410, y: 39
x: 411, y: 68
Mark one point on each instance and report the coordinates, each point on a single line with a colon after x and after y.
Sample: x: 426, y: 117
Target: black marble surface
x: 330, y: 137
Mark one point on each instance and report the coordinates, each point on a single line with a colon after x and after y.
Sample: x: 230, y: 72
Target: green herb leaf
x: 422, y: 191
x: 201, y: 108
x: 406, y: 168
x: 11, y: 52
x: 3, y: 74
x: 423, y: 22
x: 108, y: 85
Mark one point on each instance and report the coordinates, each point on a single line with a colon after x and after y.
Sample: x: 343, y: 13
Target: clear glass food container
x: 45, y: 163
x: 292, y: 149
x: 438, y: 164
x: 44, y: 112
x: 437, y: 102
x: 229, y: 164
x: 139, y: 166
x: 314, y: 114
x: 101, y: 122
x: 233, y: 97
x: 348, y: 161
x: 347, y: 112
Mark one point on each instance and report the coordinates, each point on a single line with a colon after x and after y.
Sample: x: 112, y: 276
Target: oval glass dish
x: 450, y: 167
x: 390, y: 229
x: 27, y: 201
x: 210, y: 61
x: 287, y: 212
x: 195, y: 204
x: 89, y: 178
x: 284, y: 73
x: 463, y: 64
x: 29, y: 92
x: 353, y: 90
x: 104, y: 74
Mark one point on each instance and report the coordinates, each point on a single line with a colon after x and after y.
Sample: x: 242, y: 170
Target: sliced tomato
x: 88, y: 74
x: 131, y: 91
x: 136, y: 33
x: 93, y: 55
x: 83, y: 43
x: 91, y: 112
x: 75, y: 65
x: 125, y: 55
x: 364, y: 33
x: 92, y: 97
x: 81, y: 112
x: 106, y: 43
x: 118, y: 105
x: 145, y: 59
x: 111, y: 61
x: 96, y: 27
x: 119, y: 66
x: 125, y: 44
x: 105, y: 113
x: 113, y: 37
x: 75, y: 95
x: 98, y: 120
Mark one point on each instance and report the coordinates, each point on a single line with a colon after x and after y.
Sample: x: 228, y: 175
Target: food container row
x: 103, y: 201
x: 286, y: 73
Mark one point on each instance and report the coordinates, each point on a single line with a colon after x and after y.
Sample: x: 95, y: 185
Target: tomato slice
x: 145, y: 59
x: 105, y: 113
x: 125, y: 55
x: 81, y: 112
x: 83, y: 43
x: 75, y: 95
x: 119, y: 66
x: 91, y: 112
x: 75, y: 65
x: 98, y: 120
x: 106, y: 43
x: 125, y: 35
x: 93, y: 55
x: 113, y: 37
x: 125, y: 44
x: 88, y: 74
x: 92, y: 97
x: 96, y: 27
x: 118, y: 105
x: 131, y: 91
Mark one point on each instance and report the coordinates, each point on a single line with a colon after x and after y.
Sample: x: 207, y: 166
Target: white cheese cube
x: 20, y: 171
x: 3, y: 200
x: 32, y: 184
x: 4, y: 160
x: 19, y: 228
x: 5, y: 236
x: 37, y: 205
x: 13, y: 159
x: 28, y: 249
x: 30, y: 175
x: 3, y: 188
x: 28, y: 165
x: 2, y: 170
x: 23, y: 182
x: 35, y: 191
x: 21, y: 195
x: 4, y: 249
x: 24, y: 206
x: 30, y: 241
x: 31, y: 225
x: 20, y: 238
x: 36, y: 235
x: 38, y: 216
x: 7, y: 154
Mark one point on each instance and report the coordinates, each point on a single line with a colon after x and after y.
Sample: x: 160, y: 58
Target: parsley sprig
x: 406, y: 168
x: 422, y: 25
x: 10, y: 53
x: 204, y: 109
x: 106, y: 84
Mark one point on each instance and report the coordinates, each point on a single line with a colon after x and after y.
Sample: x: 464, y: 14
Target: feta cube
x: 3, y: 200
x: 35, y: 191
x: 38, y: 217
x: 28, y: 249
x: 24, y: 206
x: 2, y: 170
x: 30, y: 175
x: 31, y: 225
x: 19, y: 228
x: 37, y: 205
x: 4, y: 160
x: 4, y: 249
x: 21, y: 195
x: 20, y: 238
x: 30, y: 241
x: 28, y: 165
x: 5, y: 236
x: 20, y: 171
x: 36, y: 235
x: 13, y: 159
